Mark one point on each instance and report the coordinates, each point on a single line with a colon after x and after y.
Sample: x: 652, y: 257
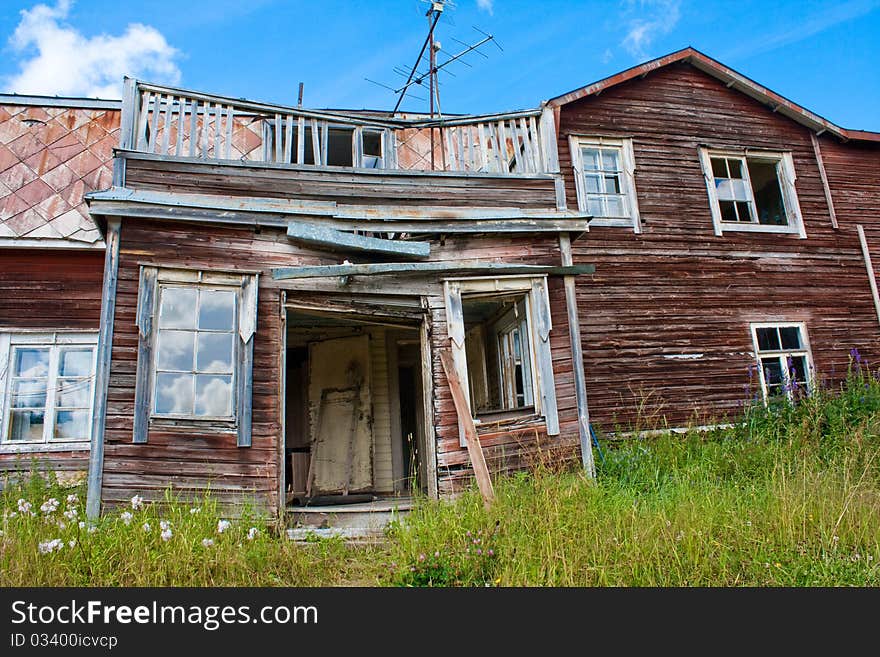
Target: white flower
x: 165, y: 525
x: 71, y: 514
x: 11, y: 514
x: 137, y: 502
x: 126, y: 517
x: 62, y: 524
x: 223, y: 525
x: 45, y: 547
x: 194, y: 511
x: 92, y: 529
x: 252, y: 533
x: 71, y: 543
x: 2, y: 533
x: 82, y: 524
x: 72, y: 499
x: 146, y: 526
x: 49, y: 506
x: 166, y: 534
x: 24, y: 506
x: 207, y: 542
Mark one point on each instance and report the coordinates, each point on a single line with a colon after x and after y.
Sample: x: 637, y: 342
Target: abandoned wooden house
x: 288, y: 294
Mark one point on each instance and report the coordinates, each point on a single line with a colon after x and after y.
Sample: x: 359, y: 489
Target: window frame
x: 161, y: 286
x: 786, y: 177
x: 804, y: 350
x: 627, y: 178
x: 535, y: 291
x: 55, y: 341
x: 504, y: 333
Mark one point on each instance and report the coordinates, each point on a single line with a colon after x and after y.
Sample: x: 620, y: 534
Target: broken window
x: 499, y: 357
x: 752, y: 191
x: 195, y: 351
x: 604, y: 179
x: 345, y: 145
x: 500, y: 338
x: 47, y: 385
x: 783, y: 359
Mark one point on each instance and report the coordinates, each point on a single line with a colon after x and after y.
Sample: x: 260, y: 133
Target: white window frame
x: 632, y: 218
x: 805, y: 350
x: 786, y: 175
x: 54, y: 341
x: 505, y: 348
x: 534, y: 289
x: 202, y: 284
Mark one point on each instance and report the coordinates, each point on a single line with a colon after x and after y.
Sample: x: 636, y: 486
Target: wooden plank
x: 181, y: 124
x: 817, y: 150
x: 278, y: 135
x: 484, y: 155
x: 300, y: 140
x: 142, y: 143
x: 446, y: 145
x: 429, y: 436
x: 154, y: 124
x: 206, y: 117
x: 327, y: 237
x: 325, y: 140
x: 193, y: 128
x: 218, y: 124
x: 518, y: 158
x: 102, y: 368
x: 245, y: 365
x: 288, y: 139
x: 577, y: 360
x: 449, y: 267
x: 543, y: 355
x: 316, y: 142
x: 471, y: 163
x: 537, y: 158
x: 501, y: 141
x: 144, y: 318
x: 129, y: 118
x: 230, y: 122
x: 528, y: 146
x: 459, y: 134
x: 478, y: 459
x: 872, y: 279
x: 166, y: 125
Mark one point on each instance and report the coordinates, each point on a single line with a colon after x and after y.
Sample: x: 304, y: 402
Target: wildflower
x: 491, y: 553
x: 71, y: 543
x: 437, y: 553
x: 479, y: 552
x: 126, y: 517
x: 62, y: 524
x: 421, y: 557
x: 71, y: 514
x: 679, y: 536
x: 92, y: 529
x: 194, y: 511
x: 146, y: 526
x: 11, y: 514
x: 855, y: 355
x: 49, y: 506
x: 2, y: 533
x: 137, y: 502
x: 468, y: 534
x: 24, y: 507
x: 207, y: 542
x: 835, y: 538
x: 82, y: 524
x: 166, y: 534
x: 223, y: 525
x: 748, y: 523
x: 72, y: 499
x: 252, y: 533
x: 45, y: 547
x: 164, y: 525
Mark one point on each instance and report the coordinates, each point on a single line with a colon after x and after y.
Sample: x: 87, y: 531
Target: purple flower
x: 855, y: 355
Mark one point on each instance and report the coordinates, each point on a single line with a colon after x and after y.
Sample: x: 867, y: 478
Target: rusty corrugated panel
x: 49, y: 157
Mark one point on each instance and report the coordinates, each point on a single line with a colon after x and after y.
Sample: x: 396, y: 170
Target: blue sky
x: 822, y: 55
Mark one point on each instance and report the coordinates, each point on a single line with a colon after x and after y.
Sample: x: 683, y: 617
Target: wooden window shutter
x: 247, y: 326
x: 455, y: 328
x: 543, y: 359
x: 145, y: 319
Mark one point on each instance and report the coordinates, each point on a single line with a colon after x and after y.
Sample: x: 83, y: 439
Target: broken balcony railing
x: 177, y: 123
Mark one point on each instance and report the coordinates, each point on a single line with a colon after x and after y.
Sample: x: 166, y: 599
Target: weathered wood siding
x: 665, y: 319
x: 49, y: 290
x: 195, y: 460
x: 372, y: 187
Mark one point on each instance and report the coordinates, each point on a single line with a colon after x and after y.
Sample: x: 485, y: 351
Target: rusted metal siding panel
x: 49, y: 157
x: 665, y: 318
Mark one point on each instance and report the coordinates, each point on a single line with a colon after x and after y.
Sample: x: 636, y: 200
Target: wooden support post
x: 817, y: 150
x: 478, y: 460
x: 577, y: 360
x: 102, y: 370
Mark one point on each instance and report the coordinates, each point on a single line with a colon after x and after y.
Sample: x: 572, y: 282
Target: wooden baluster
x: 166, y: 125
x: 278, y: 140
x: 484, y: 152
x: 502, y: 147
x: 154, y: 124
x: 527, y: 147
x: 218, y: 118
x: 472, y: 164
x: 141, y: 142
x: 540, y: 165
x: 181, y: 122
x: 459, y: 132
x: 206, y: 118
x: 288, y: 139
x: 300, y: 140
x: 518, y: 160
x: 447, y: 142
x: 316, y: 144
x: 230, y: 121
x: 193, y: 128
x: 325, y: 141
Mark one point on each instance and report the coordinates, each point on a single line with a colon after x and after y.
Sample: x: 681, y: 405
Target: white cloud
x: 57, y: 59
x: 486, y: 5
x: 654, y: 18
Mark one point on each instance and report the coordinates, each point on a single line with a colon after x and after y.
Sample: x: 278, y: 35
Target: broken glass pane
x: 728, y: 211
x: 768, y: 194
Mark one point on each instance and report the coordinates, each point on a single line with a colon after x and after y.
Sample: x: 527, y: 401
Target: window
x: 752, y: 191
x: 345, y: 145
x: 47, y: 383
x: 499, y: 358
x: 500, y: 337
x: 783, y: 358
x: 195, y: 349
x: 195, y: 352
x: 604, y: 179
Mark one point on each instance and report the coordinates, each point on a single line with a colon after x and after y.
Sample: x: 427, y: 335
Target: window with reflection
x: 783, y: 360
x: 195, y: 352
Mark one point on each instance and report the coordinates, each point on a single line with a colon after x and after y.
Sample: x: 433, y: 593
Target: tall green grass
x: 789, y: 496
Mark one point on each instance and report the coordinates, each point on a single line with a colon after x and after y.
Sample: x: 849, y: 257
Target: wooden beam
x: 825, y: 186
x: 872, y: 278
x: 102, y: 368
x: 372, y: 269
x: 337, y: 240
x: 475, y: 451
x: 577, y: 360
